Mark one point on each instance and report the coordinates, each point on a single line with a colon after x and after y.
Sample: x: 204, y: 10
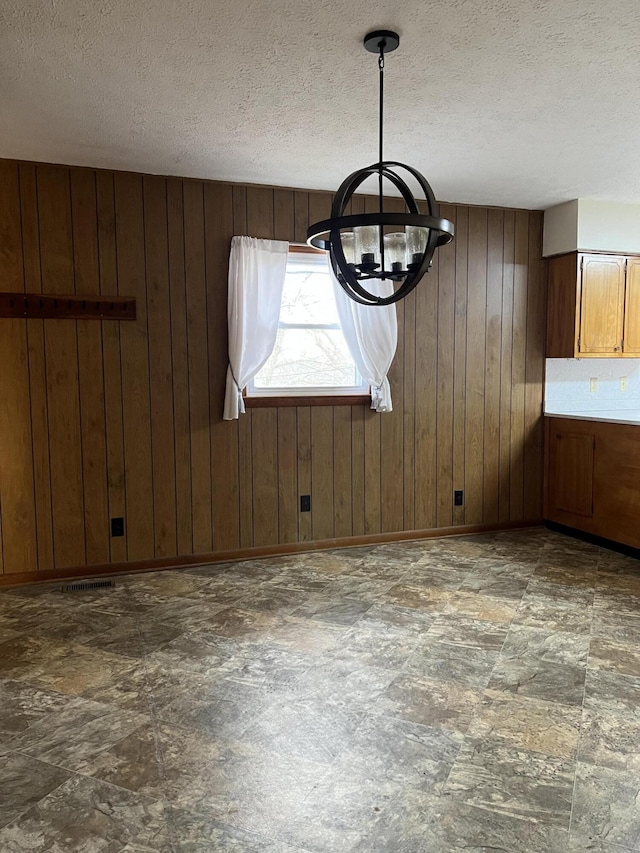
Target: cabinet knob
x: 617, y: 349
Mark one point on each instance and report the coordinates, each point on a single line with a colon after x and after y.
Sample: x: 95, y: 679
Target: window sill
x: 301, y: 400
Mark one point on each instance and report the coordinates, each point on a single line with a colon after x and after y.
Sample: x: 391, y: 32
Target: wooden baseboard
x: 48, y: 575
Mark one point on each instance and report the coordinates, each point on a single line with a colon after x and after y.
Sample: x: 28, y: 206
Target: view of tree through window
x: 310, y: 352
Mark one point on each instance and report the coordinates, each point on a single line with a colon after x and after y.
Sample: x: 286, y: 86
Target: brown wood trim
x: 66, y: 307
x: 303, y: 249
x: 320, y: 400
x: 608, y: 252
x: 21, y: 578
x: 604, y: 252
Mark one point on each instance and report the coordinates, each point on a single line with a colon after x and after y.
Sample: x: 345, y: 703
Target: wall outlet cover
x: 117, y: 526
x: 593, y: 384
x: 623, y: 383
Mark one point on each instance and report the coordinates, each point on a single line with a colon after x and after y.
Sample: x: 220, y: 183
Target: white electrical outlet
x: 623, y: 383
x: 593, y: 384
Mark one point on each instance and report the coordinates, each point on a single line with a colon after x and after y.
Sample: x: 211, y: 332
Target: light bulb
x: 348, y: 241
x: 367, y: 244
x: 416, y: 243
x: 395, y: 251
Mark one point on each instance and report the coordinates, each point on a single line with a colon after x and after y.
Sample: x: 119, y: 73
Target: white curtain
x: 371, y: 332
x: 257, y: 270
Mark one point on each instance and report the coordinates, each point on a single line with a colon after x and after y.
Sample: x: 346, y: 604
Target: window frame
x: 256, y: 399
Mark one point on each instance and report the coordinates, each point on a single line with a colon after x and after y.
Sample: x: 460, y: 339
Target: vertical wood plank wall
x: 105, y: 419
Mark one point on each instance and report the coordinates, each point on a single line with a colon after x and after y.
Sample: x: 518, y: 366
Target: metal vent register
x: 84, y: 585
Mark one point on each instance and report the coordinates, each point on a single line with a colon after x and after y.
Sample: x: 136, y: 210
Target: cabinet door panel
x: 571, y: 458
x: 632, y: 307
x: 602, y: 304
x: 563, y: 309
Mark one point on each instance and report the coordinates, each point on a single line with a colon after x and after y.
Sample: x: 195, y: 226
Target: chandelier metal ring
x: 440, y: 232
x: 373, y: 254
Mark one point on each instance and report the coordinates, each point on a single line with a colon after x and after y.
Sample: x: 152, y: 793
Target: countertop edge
x: 597, y: 418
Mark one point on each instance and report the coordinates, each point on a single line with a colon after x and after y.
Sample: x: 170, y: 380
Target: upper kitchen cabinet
x: 594, y: 306
x: 632, y: 308
x: 601, y: 305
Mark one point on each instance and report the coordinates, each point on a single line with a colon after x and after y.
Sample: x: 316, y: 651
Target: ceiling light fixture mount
x: 359, y: 249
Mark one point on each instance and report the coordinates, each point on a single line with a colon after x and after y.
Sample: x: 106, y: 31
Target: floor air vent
x: 84, y: 585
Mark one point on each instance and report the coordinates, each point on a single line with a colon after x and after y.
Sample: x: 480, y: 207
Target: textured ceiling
x: 515, y: 102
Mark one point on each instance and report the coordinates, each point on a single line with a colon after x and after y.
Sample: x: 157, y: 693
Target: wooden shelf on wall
x: 63, y: 307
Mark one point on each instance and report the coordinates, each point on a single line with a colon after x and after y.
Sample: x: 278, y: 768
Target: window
x: 311, y: 357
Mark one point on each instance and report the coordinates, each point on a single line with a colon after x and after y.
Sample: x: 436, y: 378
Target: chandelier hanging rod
x: 381, y: 143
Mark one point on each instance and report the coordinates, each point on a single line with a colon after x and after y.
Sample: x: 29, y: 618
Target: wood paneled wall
x: 124, y: 419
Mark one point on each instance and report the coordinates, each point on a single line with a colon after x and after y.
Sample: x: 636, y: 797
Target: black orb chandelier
x: 381, y: 246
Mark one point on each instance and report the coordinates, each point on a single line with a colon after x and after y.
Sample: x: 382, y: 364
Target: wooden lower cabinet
x: 592, y: 477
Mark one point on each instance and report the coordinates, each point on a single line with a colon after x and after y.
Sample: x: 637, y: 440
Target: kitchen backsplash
x: 569, y: 384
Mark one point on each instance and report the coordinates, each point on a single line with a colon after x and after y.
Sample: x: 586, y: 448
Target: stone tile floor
x: 456, y: 694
